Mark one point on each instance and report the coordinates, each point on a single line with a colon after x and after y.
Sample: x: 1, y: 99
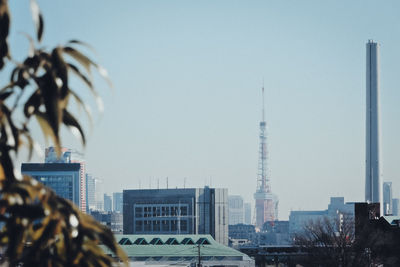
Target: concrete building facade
x: 372, y: 155
x: 177, y: 211
x: 387, y: 198
x: 117, y: 201
x: 247, y: 213
x: 236, y: 210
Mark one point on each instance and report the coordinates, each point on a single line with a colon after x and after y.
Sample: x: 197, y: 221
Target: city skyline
x: 185, y: 101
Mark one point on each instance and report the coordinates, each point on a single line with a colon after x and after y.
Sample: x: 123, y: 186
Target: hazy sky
x: 187, y: 92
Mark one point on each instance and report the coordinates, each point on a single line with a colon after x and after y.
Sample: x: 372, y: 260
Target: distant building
x: 63, y: 178
x: 241, y: 234
x: 112, y: 219
x: 274, y: 233
x: 107, y: 203
x: 90, y: 192
x: 372, y: 135
x: 396, y: 207
x: 247, y: 213
x: 177, y: 211
x: 236, y: 210
x: 387, y: 198
x: 70, y: 156
x: 117, y: 201
x: 180, y: 250
x: 298, y: 219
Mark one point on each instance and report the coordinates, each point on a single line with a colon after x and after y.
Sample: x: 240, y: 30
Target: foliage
x: 331, y: 242
x: 38, y: 227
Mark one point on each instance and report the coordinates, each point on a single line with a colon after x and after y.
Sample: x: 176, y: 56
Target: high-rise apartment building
x: 372, y: 155
x: 177, y: 211
x: 387, y: 198
x: 236, y: 210
x: 117, y: 201
x: 90, y: 192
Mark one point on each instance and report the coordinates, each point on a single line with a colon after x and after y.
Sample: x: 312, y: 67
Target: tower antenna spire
x: 263, y: 102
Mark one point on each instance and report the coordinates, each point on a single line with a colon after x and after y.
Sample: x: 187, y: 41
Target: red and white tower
x: 266, y: 202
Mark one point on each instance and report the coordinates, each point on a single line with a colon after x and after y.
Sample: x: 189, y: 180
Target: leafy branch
x: 40, y: 228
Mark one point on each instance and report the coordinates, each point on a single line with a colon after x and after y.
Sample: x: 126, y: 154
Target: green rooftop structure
x: 181, y: 250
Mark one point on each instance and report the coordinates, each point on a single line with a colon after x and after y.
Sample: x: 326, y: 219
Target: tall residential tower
x: 372, y: 153
x: 266, y: 202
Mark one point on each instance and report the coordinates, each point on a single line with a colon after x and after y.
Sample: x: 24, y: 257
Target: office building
x: 372, y: 155
x: 387, y: 198
x: 63, y: 178
x: 107, y: 203
x: 117, y: 201
x: 247, y: 213
x: 70, y: 156
x: 236, y: 210
x: 177, y: 211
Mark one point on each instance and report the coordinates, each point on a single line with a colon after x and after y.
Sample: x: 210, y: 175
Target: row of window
x: 160, y: 211
x: 161, y: 226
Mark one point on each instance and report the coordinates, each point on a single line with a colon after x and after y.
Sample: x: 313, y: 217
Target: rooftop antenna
x: 149, y: 182
x: 140, y: 184
x: 167, y: 182
x: 184, y: 182
x: 158, y: 183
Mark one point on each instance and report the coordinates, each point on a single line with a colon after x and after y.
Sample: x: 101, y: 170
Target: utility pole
x: 199, y: 257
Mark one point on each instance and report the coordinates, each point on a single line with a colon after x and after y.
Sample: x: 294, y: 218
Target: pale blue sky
x: 187, y: 78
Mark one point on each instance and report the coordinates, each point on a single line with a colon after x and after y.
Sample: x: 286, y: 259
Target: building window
x: 165, y: 226
x: 183, y: 226
x: 139, y: 226
x: 174, y: 225
x: 138, y: 212
x: 147, y: 226
x: 156, y: 226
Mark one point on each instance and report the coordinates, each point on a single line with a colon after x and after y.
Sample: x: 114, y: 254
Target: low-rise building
x: 180, y: 250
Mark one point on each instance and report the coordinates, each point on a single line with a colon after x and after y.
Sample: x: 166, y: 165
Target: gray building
x: 177, y: 211
x: 387, y: 198
x: 372, y: 155
x: 107, y: 203
x: 396, y: 206
x: 236, y: 210
x: 336, y: 208
x: 247, y: 213
x: 90, y: 192
x: 63, y: 178
x: 117, y: 201
x: 111, y: 219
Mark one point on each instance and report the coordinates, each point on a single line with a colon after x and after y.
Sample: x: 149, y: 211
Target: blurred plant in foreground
x: 38, y: 228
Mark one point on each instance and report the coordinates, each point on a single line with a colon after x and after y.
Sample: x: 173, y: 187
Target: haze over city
x: 187, y: 82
